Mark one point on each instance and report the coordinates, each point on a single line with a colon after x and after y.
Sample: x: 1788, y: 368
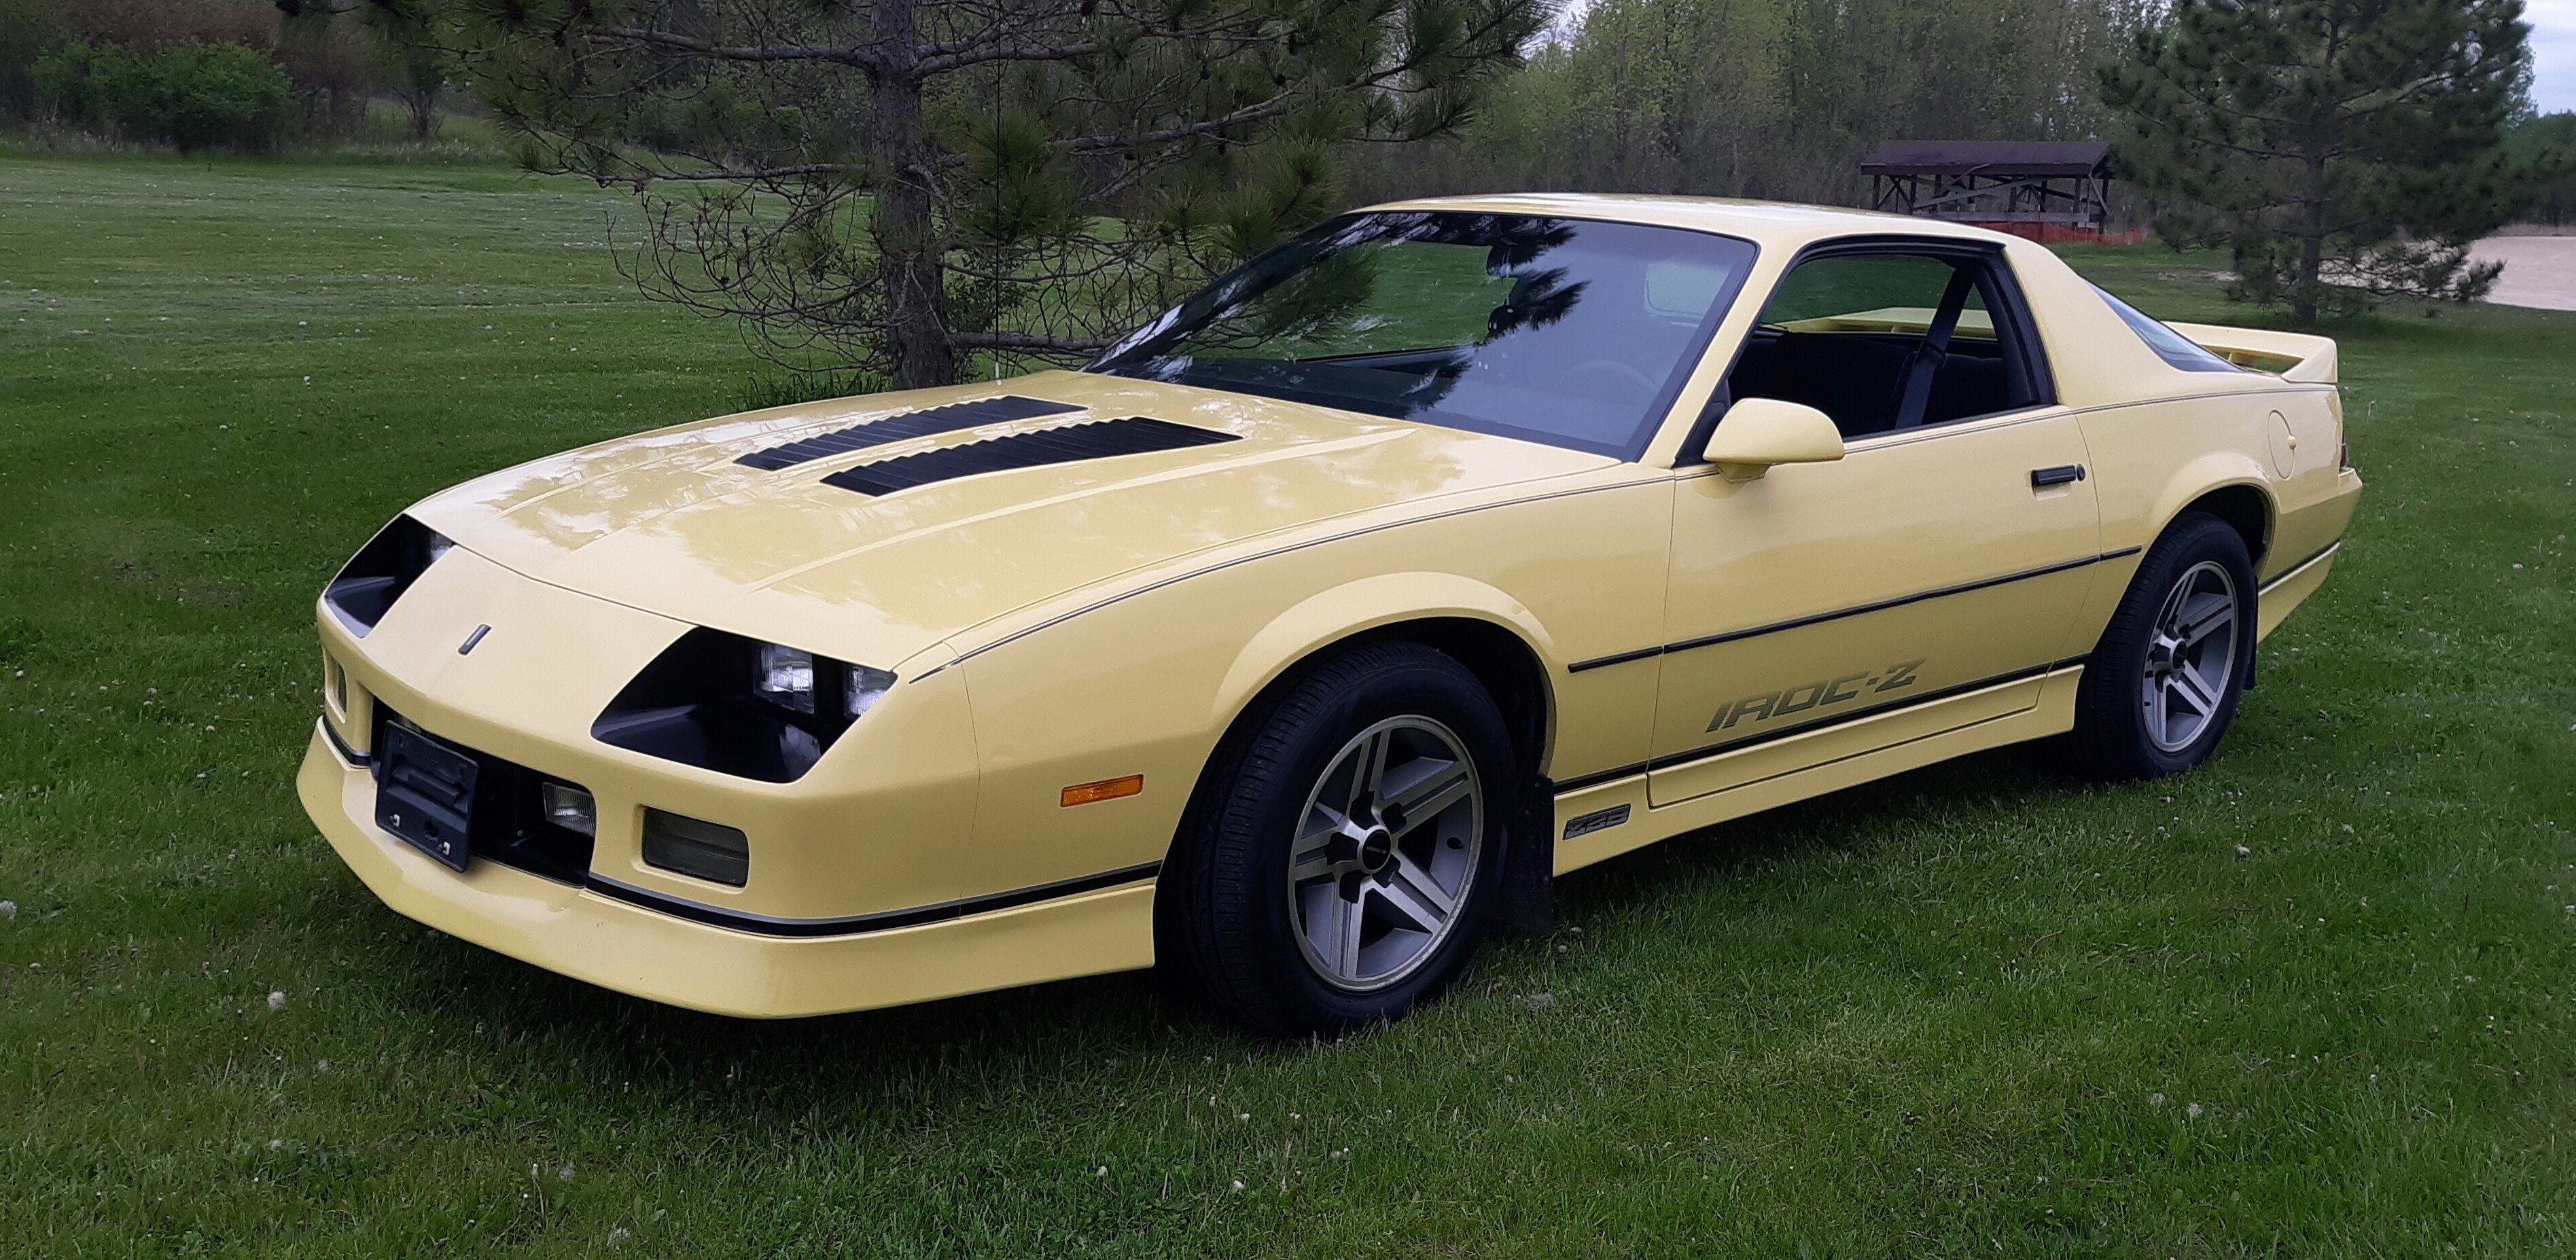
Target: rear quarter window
x: 2170, y: 346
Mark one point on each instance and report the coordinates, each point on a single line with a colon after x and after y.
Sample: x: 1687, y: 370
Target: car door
x: 1927, y: 580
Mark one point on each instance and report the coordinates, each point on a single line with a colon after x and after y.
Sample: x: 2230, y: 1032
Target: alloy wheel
x: 1385, y: 853
x: 2191, y: 657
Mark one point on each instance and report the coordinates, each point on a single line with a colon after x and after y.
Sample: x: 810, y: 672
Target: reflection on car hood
x: 672, y: 522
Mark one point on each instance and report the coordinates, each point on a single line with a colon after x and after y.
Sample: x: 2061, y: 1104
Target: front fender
x: 1330, y: 616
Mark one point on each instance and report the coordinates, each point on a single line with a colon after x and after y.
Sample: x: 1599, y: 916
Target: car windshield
x: 1571, y: 332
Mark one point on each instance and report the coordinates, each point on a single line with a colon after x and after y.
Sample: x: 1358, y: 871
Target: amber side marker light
x: 1104, y: 790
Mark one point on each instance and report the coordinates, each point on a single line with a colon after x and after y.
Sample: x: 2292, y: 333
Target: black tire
x: 1225, y: 928
x: 2115, y: 737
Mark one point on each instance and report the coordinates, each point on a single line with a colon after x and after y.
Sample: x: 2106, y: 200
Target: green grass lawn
x: 2314, y: 999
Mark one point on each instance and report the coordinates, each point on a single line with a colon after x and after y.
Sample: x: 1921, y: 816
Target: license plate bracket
x: 425, y: 793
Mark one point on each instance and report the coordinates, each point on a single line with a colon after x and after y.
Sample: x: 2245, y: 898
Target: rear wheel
x: 1341, y: 865
x: 2162, y: 688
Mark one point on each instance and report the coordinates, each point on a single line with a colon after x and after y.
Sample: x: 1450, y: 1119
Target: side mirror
x: 1760, y: 432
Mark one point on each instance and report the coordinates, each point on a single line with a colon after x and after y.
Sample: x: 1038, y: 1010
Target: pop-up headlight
x: 740, y: 706
x: 381, y: 571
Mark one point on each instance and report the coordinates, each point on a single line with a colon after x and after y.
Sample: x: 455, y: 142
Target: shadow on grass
x: 1071, y: 1038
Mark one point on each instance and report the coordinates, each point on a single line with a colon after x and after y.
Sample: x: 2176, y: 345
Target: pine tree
x: 2342, y: 150
x: 904, y: 186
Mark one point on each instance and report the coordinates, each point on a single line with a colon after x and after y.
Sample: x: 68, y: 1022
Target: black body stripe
x: 1096, y: 439
x: 883, y: 921
x: 2285, y: 574
x: 1221, y: 566
x: 913, y: 424
x: 1599, y: 777
x: 1730, y: 636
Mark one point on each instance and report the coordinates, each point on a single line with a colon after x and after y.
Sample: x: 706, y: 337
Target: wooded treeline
x: 1769, y: 98
x: 165, y: 71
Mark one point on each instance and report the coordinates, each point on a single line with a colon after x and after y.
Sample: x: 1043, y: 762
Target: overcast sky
x: 2553, y: 46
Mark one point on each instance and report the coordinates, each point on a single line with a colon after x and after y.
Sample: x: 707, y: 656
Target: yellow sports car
x: 1306, y: 635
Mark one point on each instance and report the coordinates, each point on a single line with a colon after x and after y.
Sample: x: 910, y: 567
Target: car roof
x: 1766, y: 223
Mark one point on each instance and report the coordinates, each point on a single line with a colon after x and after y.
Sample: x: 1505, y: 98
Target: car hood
x: 674, y: 523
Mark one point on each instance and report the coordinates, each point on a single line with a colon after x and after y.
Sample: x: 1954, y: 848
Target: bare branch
x: 862, y: 56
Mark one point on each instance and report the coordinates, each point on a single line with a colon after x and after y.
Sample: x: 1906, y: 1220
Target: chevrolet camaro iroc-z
x: 1304, y: 637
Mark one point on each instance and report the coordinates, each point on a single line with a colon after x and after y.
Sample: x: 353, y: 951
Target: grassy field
x: 2312, y: 1000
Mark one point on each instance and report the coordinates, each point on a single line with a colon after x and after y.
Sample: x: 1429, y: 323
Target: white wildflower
x: 8, y: 910
x: 2192, y: 1111
x: 277, y: 999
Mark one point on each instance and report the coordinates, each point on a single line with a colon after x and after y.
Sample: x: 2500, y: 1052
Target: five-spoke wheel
x: 2163, y: 684
x: 1345, y: 855
x: 2191, y: 657
x: 1386, y: 853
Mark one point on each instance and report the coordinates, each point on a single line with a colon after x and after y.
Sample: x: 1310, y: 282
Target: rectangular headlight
x: 785, y: 677
x: 740, y: 706
x: 696, y: 848
x: 864, y: 686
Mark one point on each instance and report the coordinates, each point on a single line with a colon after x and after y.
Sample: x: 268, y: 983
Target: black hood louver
x: 913, y: 424
x: 1097, y: 439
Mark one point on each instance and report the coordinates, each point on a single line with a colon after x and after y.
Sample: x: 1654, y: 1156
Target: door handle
x: 2042, y: 478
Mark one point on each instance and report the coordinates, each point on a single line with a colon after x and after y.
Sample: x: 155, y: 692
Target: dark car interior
x: 1862, y: 374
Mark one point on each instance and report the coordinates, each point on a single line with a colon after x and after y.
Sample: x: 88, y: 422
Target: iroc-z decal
x: 1823, y: 693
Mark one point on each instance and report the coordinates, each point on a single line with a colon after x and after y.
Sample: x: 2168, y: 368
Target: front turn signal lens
x: 1104, y: 790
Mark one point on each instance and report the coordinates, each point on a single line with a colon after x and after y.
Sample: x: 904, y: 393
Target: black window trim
x: 2006, y: 306
x: 1685, y: 367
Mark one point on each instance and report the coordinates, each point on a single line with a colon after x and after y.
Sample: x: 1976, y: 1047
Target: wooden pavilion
x: 2065, y: 184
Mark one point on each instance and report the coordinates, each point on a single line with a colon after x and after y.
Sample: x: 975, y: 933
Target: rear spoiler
x: 2290, y: 356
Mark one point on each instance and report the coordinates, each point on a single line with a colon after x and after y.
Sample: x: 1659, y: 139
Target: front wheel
x: 1343, y: 862
x: 2163, y: 686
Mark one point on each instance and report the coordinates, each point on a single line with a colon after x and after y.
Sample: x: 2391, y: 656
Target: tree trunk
x: 2312, y: 245
x: 424, y: 111
x: 909, y: 257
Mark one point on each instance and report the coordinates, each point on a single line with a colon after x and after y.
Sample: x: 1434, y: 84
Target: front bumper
x: 651, y: 954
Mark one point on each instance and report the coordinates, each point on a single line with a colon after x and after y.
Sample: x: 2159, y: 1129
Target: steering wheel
x: 1626, y: 384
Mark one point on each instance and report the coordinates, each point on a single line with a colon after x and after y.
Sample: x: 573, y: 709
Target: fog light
x: 698, y: 849
x: 570, y: 808
x: 335, y: 680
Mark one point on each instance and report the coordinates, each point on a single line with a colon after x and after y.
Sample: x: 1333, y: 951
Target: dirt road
x: 2538, y: 270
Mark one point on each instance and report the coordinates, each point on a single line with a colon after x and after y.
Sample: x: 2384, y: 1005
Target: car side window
x: 1890, y: 339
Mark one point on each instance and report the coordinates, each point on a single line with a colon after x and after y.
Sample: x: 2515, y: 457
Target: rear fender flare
x: 2205, y: 474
